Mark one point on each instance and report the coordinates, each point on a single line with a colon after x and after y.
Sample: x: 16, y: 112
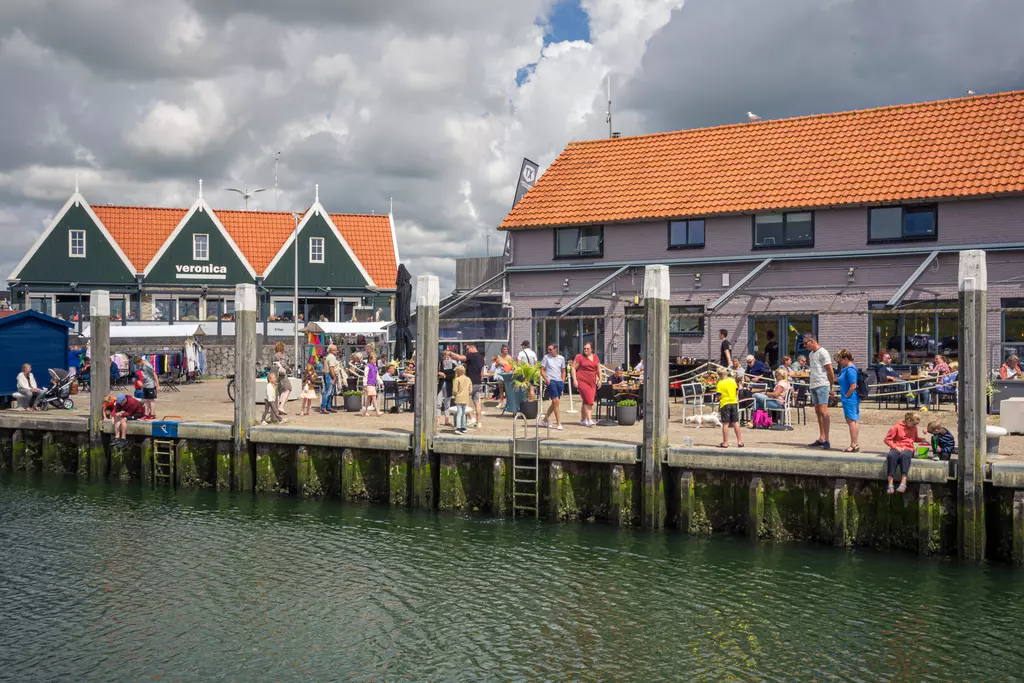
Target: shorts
x: 138, y: 393
x: 729, y: 414
x: 478, y: 393
x: 371, y: 391
x: 149, y: 394
x: 555, y: 389
x: 132, y: 418
x: 819, y: 396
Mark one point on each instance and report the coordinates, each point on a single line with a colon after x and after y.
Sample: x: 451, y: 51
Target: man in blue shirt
x: 757, y: 368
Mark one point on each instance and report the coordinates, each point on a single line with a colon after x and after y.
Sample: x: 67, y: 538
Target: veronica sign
x: 204, y: 272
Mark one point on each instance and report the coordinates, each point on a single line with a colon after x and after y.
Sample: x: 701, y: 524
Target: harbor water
x: 117, y: 582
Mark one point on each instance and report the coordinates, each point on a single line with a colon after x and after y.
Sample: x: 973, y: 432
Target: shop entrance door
x: 780, y: 335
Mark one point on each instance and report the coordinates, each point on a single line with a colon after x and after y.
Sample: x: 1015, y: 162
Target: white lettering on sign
x: 204, y: 272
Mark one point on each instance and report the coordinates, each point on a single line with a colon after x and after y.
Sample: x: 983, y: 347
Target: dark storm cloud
x: 718, y: 59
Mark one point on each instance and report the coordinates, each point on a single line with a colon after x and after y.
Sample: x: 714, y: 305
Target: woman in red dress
x: 587, y: 368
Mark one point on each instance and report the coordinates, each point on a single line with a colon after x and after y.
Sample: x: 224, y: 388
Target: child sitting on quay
x: 728, y: 407
x: 943, y: 443
x: 902, y: 440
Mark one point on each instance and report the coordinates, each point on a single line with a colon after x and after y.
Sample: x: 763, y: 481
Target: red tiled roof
x: 370, y: 238
x: 141, y: 231
x: 951, y: 148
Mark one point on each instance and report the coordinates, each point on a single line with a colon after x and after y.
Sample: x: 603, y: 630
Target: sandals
x: 891, y: 489
x: 852, y: 449
x: 723, y: 445
x: 902, y: 488
x: 739, y: 445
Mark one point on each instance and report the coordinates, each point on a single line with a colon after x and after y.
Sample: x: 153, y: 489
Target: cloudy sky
x: 433, y: 103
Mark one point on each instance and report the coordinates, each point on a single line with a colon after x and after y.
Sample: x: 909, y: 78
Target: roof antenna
x: 277, y: 159
x: 608, y: 117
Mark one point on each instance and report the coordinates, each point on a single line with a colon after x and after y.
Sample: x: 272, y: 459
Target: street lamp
x: 295, y: 289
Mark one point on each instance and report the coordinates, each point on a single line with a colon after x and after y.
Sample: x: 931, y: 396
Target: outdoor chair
x: 392, y: 395
x: 937, y: 398
x: 693, y: 399
x: 605, y: 403
x: 787, y: 409
x: 803, y: 395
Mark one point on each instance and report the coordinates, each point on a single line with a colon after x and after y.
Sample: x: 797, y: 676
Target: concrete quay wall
x: 837, y: 500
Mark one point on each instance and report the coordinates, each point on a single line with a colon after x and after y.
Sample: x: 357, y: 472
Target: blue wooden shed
x: 33, y: 338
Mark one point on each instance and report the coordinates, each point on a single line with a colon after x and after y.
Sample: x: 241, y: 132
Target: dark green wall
x: 179, y: 253
x: 51, y: 262
x: 337, y: 271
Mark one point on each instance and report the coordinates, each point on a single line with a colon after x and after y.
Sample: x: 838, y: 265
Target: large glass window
x: 281, y: 309
x: 75, y: 307
x: 916, y: 332
x: 584, y: 325
x: 162, y: 309
x: 41, y: 304
x: 902, y: 223
x: 684, y: 234
x: 587, y: 241
x: 188, y: 309
x: 777, y: 230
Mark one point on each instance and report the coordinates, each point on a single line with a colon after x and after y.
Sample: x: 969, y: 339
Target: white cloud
x: 174, y: 130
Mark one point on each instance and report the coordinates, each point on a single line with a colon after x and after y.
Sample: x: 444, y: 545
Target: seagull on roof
x: 752, y: 116
x: 971, y: 92
x: 246, y: 195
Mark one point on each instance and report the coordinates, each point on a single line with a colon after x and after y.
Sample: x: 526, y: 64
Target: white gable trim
x: 394, y: 239
x: 200, y: 205
x: 313, y: 210
x: 75, y: 200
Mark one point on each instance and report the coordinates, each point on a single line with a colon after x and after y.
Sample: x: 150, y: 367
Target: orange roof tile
x: 370, y: 238
x: 951, y: 148
x: 140, y: 231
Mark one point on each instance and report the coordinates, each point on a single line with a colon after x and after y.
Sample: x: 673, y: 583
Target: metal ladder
x: 163, y: 461
x: 525, y: 466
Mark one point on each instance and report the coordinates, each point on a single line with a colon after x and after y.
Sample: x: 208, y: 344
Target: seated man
x: 892, y: 375
x: 618, y: 378
x: 736, y: 371
x: 391, y: 375
x: 756, y: 367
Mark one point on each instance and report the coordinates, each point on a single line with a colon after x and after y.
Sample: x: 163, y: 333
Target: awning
x: 371, y: 329
x: 590, y: 292
x: 176, y: 331
x: 736, y: 288
x: 914, y: 277
x: 479, y: 288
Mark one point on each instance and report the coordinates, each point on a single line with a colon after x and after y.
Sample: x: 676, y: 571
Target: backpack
x: 762, y: 420
x: 862, y: 384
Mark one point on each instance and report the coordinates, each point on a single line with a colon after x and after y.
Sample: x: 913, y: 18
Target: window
x: 686, y: 234
x: 41, y: 304
x: 1013, y: 328
x: 916, y: 332
x: 162, y: 309
x: 568, y: 336
x: 281, y: 309
x: 579, y: 242
x: 76, y: 243
x: 316, y: 249
x: 200, y: 247
x: 777, y: 230
x: 188, y: 309
x: 686, y: 320
x: 902, y: 223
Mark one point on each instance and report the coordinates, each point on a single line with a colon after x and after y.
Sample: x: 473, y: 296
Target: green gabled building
x: 169, y: 264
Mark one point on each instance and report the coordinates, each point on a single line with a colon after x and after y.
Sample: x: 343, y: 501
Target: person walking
x: 331, y: 377
x: 462, y: 390
x: 823, y: 376
x: 725, y: 357
x: 586, y: 367
x: 370, y: 387
x: 554, y: 378
x: 150, y: 387
x: 28, y: 391
x: 849, y: 398
x: 308, y: 389
x: 526, y: 355
x: 902, y: 440
x: 271, y: 414
x: 283, y: 384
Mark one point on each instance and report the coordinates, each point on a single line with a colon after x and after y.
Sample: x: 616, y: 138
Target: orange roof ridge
x: 802, y: 117
x: 219, y: 211
x: 956, y: 148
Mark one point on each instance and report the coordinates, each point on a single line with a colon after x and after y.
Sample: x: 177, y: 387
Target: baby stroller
x: 58, y: 394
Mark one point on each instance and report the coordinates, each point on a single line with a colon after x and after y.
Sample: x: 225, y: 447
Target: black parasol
x: 403, y: 300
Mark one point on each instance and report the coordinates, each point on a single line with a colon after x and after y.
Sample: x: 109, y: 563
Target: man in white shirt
x: 823, y: 376
x: 527, y: 355
x: 554, y: 379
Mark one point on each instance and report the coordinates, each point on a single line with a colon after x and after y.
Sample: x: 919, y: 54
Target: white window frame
x: 195, y: 243
x: 312, y: 241
x: 283, y: 299
x: 71, y: 243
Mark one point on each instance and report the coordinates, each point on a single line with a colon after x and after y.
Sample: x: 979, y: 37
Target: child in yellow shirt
x: 462, y: 389
x: 729, y: 407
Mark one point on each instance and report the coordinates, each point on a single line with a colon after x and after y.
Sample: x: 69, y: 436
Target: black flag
x: 527, y: 179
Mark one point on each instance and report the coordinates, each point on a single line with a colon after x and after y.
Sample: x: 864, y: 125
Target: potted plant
x: 527, y: 377
x: 625, y: 412
x: 353, y: 401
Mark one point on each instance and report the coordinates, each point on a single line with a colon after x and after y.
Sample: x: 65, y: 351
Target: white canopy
x: 177, y: 331
x: 375, y: 329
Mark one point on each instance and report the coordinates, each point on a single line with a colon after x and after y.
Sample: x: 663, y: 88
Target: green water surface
x: 104, y: 582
